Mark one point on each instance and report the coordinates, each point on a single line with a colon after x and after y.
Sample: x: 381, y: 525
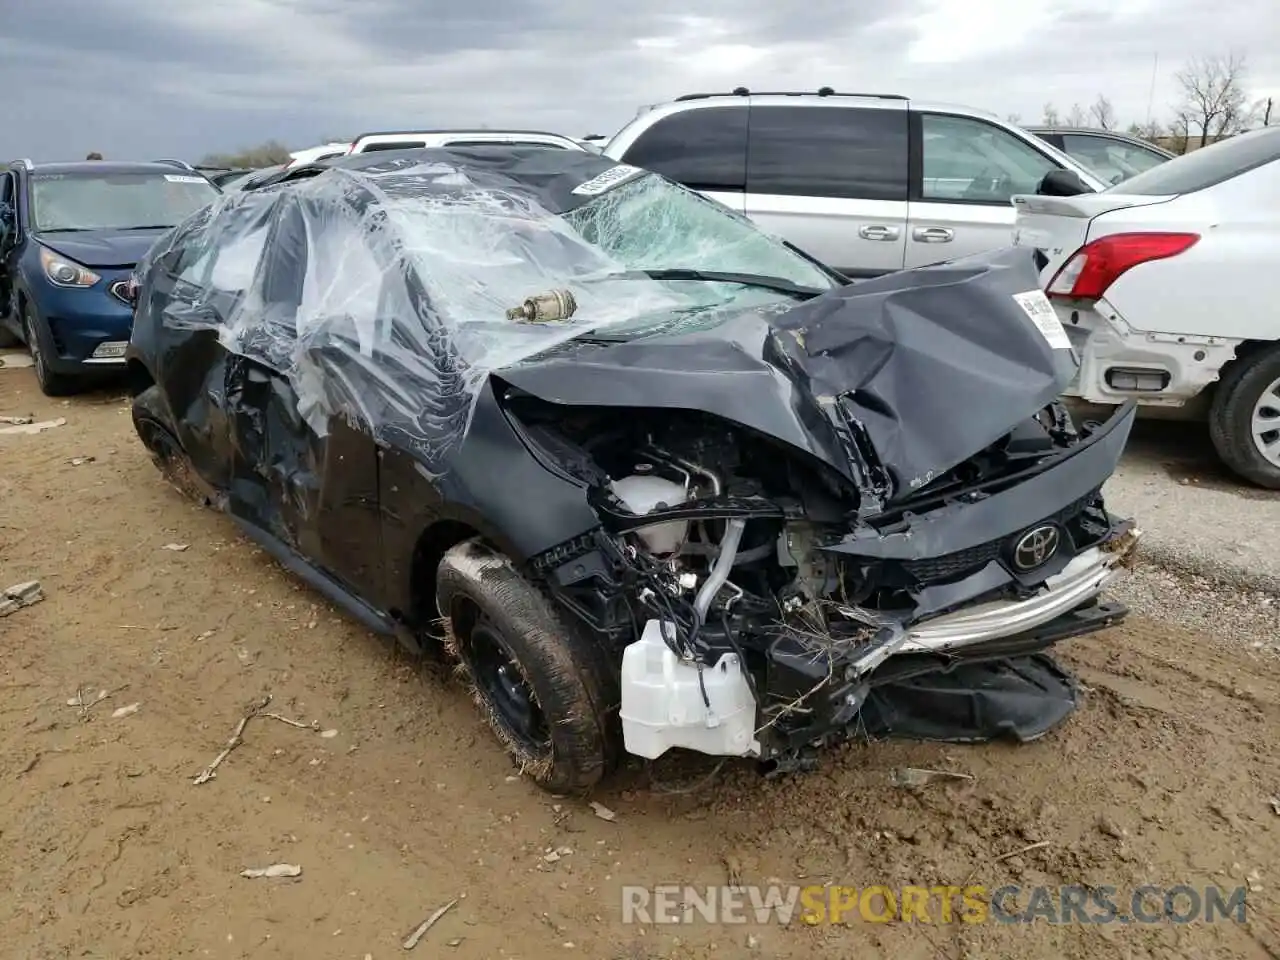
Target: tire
x: 51, y: 384
x: 512, y: 645
x: 1239, y: 393
x: 166, y: 450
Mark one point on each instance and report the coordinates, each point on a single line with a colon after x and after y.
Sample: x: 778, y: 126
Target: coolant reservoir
x: 642, y: 494
x: 662, y: 704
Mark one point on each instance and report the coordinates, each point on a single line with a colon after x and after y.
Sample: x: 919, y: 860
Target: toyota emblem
x: 1035, y: 547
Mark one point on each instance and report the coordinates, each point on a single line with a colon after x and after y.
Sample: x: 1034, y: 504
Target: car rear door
x: 831, y: 178
x: 703, y: 147
x: 965, y: 172
x: 306, y: 468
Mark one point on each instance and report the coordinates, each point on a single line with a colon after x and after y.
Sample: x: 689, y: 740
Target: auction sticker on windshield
x: 1038, y: 308
x: 176, y: 178
x: 607, y: 180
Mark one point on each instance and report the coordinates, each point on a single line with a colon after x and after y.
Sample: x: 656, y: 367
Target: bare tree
x: 1014, y: 118
x: 1213, y: 98
x: 1077, y: 117
x: 1104, y: 114
x: 1050, y: 117
x: 1264, y: 108
x: 1180, y: 132
x: 1151, y: 131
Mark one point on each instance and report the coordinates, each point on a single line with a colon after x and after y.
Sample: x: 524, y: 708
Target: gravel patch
x: 1246, y: 616
x: 1197, y: 520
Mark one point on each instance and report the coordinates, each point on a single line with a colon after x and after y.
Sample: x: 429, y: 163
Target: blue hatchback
x: 70, y: 236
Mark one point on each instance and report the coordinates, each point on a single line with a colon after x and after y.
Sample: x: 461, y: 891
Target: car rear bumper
x: 1119, y: 362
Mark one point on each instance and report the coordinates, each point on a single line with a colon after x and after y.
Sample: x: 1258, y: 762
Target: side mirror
x: 1062, y: 183
x: 8, y: 223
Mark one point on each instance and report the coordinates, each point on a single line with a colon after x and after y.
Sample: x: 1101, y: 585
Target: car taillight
x: 1097, y: 265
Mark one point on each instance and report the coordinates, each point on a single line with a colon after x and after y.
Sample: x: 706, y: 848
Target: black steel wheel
x: 546, y: 689
x: 166, y: 450
x: 495, y: 670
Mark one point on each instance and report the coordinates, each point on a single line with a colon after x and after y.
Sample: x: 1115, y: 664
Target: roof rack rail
x: 821, y: 92
x: 182, y: 164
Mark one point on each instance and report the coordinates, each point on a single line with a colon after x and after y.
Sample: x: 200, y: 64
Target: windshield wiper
x: 760, y: 281
x: 149, y: 226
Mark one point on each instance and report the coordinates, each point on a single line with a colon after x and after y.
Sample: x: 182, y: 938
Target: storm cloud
x: 140, y: 78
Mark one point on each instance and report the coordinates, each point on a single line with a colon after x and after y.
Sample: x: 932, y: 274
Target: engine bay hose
x: 720, y: 569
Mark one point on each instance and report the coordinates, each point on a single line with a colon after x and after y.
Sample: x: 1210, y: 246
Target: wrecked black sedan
x: 656, y: 479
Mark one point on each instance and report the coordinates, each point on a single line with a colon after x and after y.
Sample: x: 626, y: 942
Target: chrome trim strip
x: 1082, y: 579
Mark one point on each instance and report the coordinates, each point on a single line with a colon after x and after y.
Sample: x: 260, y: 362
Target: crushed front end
x: 758, y: 601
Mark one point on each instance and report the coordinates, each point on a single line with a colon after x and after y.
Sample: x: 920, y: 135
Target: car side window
x: 393, y: 145
x: 969, y: 160
x: 224, y: 255
x: 1114, y: 160
x: 704, y: 148
x: 840, y: 152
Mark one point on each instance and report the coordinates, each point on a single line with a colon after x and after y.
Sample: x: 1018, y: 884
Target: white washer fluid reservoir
x: 662, y: 705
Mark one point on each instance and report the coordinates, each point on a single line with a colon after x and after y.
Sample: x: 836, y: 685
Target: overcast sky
x: 187, y: 77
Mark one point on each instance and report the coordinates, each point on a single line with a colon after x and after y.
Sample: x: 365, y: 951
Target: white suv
x: 869, y: 184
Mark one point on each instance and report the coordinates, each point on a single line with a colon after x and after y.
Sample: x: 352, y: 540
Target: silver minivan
x: 866, y: 183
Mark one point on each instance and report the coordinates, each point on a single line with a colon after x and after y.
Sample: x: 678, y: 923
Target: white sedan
x: 1169, y: 287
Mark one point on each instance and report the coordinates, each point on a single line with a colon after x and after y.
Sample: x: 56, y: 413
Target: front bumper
x: 89, y: 328
x: 828, y: 692
x: 1086, y: 576
x: 1119, y: 362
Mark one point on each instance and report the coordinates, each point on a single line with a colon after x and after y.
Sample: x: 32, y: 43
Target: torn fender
x: 978, y: 518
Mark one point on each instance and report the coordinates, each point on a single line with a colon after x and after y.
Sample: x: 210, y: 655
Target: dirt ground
x: 108, y: 849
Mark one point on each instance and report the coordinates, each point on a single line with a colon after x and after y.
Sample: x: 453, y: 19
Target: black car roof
x: 106, y: 166
x: 546, y: 175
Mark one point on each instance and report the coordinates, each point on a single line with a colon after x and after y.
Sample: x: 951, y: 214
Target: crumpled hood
x: 929, y: 366
x: 102, y: 248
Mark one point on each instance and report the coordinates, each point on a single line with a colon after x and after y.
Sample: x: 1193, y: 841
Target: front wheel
x: 1244, y: 422
x: 51, y: 384
x: 545, y: 688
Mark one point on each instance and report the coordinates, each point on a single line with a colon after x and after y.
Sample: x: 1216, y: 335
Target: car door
x: 702, y: 147
x: 304, y: 470
x: 832, y: 179
x: 965, y: 173
x: 8, y: 245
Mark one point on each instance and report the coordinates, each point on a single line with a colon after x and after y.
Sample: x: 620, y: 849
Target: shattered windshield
x: 484, y: 252
x: 390, y: 294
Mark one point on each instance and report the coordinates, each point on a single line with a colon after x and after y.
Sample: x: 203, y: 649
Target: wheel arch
x: 138, y: 377
x: 429, y: 549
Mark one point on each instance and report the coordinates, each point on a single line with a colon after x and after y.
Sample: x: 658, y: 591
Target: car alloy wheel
x: 1265, y: 423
